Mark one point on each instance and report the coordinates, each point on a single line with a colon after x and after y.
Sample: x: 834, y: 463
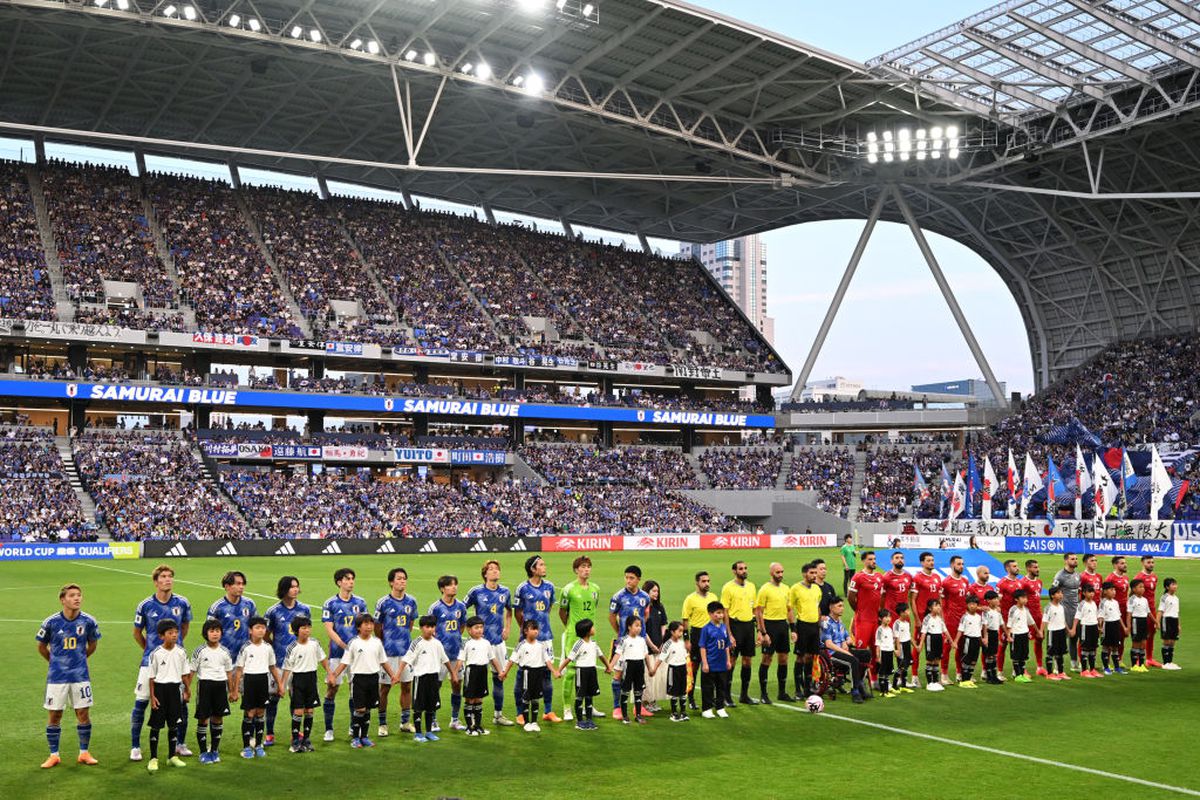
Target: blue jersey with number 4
x: 491, y: 605
x: 449, y: 631
x: 152, y: 611
x: 68, y: 642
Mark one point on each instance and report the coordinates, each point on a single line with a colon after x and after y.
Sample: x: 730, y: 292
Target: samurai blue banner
x: 312, y: 401
x: 1102, y: 547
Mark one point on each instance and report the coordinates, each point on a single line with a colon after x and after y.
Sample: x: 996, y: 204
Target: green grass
x: 1134, y: 725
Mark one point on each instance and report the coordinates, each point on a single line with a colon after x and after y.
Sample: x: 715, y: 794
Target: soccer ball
x: 814, y: 704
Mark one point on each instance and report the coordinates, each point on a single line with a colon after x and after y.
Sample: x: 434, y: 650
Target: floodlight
x: 169, y: 11
x: 430, y: 59
x: 297, y: 31
x: 189, y: 12
x: 356, y: 44
x: 887, y: 157
x: 235, y: 20
x: 871, y: 136
x: 483, y: 70
x: 531, y: 5
x: 254, y: 24
x: 920, y: 154
x: 315, y: 35
x: 467, y: 68
x: 887, y: 136
x: 534, y: 84
x: 559, y: 4
x: 588, y: 8
x: 101, y: 3
x: 373, y: 47
x: 951, y: 131
x: 920, y: 133
x: 519, y: 80
x: 953, y: 152
x: 411, y: 55
x: 872, y: 158
x: 935, y: 154
x: 123, y: 5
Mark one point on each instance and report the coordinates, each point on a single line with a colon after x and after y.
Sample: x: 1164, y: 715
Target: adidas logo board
x: 286, y: 550
x: 177, y: 551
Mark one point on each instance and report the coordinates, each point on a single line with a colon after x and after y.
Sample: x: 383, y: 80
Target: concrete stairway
x: 783, y: 482
x: 213, y: 474
x: 368, y: 268
x: 65, y: 308
x: 63, y: 445
x: 522, y: 469
x: 694, y: 460
x: 860, y: 478
x: 280, y: 279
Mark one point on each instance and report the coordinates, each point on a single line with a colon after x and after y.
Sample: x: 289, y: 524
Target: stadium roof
x: 680, y: 123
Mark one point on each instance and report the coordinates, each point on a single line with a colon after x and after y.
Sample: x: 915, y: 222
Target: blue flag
x: 974, y: 484
x: 1056, y: 488
x: 920, y: 488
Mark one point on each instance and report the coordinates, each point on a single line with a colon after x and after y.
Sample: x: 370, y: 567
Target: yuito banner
x: 60, y: 551
x: 232, y: 548
x: 1063, y: 528
x: 422, y: 455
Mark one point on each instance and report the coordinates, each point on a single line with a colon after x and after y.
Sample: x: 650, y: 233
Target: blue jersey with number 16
x: 535, y: 602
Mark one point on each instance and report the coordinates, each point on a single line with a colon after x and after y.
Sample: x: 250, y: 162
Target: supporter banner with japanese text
x: 422, y: 455
x: 1186, y: 531
x: 345, y: 452
x: 1064, y: 528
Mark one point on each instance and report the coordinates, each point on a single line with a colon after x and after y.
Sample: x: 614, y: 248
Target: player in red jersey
x: 1149, y: 579
x: 1005, y: 588
x: 866, y: 597
x: 926, y: 587
x: 1032, y: 584
x: 954, y: 606
x: 980, y: 586
x: 1119, y: 578
x: 1090, y: 576
x: 897, y: 584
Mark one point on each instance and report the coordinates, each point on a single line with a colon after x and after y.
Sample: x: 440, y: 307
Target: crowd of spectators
x: 315, y: 258
x: 60, y: 369
x: 101, y: 232
x: 25, y: 290
x: 828, y: 471
x: 586, y: 465
x: 151, y: 485
x: 298, y: 505
x: 225, y: 276
x: 37, y: 502
x: 742, y: 467
x: 888, y: 488
x: 133, y: 317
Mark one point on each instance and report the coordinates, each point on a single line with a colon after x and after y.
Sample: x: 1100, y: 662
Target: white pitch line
x: 993, y: 751
x: 177, y: 580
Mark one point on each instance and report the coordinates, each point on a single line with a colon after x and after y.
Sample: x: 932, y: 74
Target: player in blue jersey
x: 338, y: 615
x: 394, y: 616
x: 233, y: 611
x: 493, y: 604
x: 630, y: 601
x: 66, y: 640
x: 451, y: 613
x: 279, y: 633
x: 532, y: 601
x: 164, y: 604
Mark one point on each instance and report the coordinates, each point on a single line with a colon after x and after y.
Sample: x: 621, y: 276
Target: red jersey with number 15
x: 1033, y: 595
x: 869, y: 588
x: 1006, y: 587
x: 927, y: 587
x: 954, y: 590
x: 896, y: 589
x: 1121, y: 582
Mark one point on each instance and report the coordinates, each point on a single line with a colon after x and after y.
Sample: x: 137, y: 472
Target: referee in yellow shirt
x: 738, y: 597
x: 695, y: 615
x: 773, y: 613
x: 805, y: 600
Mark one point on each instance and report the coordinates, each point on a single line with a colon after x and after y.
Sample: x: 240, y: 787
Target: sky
x: 894, y: 329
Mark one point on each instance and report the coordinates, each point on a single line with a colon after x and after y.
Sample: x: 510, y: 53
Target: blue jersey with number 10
x: 68, y: 642
x: 450, y: 618
x: 395, y: 618
x: 491, y: 605
x: 535, y: 602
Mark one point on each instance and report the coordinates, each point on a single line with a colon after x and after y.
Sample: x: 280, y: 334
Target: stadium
x: 295, y: 290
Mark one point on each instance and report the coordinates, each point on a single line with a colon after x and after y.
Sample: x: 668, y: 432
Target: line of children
x: 968, y: 642
x: 535, y: 659
x: 300, y: 679
x: 170, y: 675
x: 253, y: 671
x: 1116, y: 628
x: 584, y: 655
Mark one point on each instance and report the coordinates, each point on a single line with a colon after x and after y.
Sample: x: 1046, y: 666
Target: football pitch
x: 1124, y: 735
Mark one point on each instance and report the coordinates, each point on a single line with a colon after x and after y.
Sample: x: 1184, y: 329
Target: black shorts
x: 743, y: 635
x: 906, y: 652
x: 677, y: 680
x: 364, y: 691
x: 256, y: 690
x: 586, y: 682
x: 426, y: 692
x: 970, y: 649
x: 933, y: 647
x: 633, y: 676
x: 1020, y: 647
x: 887, y: 660
x: 212, y: 699
x: 170, y: 705
x: 993, y: 643
x: 808, y: 638
x: 1057, y: 642
x: 1139, y: 628
x: 532, y: 679
x: 1114, y: 634
x: 1089, y: 638
x: 694, y: 644
x: 781, y: 640
x: 303, y: 691
x: 475, y: 682
x: 1169, y: 628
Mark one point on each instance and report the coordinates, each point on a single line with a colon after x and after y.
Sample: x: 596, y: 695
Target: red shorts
x: 864, y: 633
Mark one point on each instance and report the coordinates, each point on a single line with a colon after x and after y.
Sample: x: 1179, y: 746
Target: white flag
x: 1030, y: 485
x: 1105, y: 493
x: 958, y: 499
x: 1083, y: 481
x: 989, y: 487
x: 1160, y: 483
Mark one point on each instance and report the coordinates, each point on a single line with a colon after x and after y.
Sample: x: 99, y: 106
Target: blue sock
x: 548, y: 693
x: 136, y: 720
x: 616, y: 690
x: 53, y: 733
x: 498, y: 692
x: 382, y: 716
x: 455, y: 705
x: 405, y: 715
x: 85, y: 735
x: 329, y: 707
x: 517, y: 696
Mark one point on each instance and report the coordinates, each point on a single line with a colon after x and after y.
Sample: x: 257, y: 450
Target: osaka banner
x: 1063, y: 528
x: 65, y: 551
x: 235, y: 548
